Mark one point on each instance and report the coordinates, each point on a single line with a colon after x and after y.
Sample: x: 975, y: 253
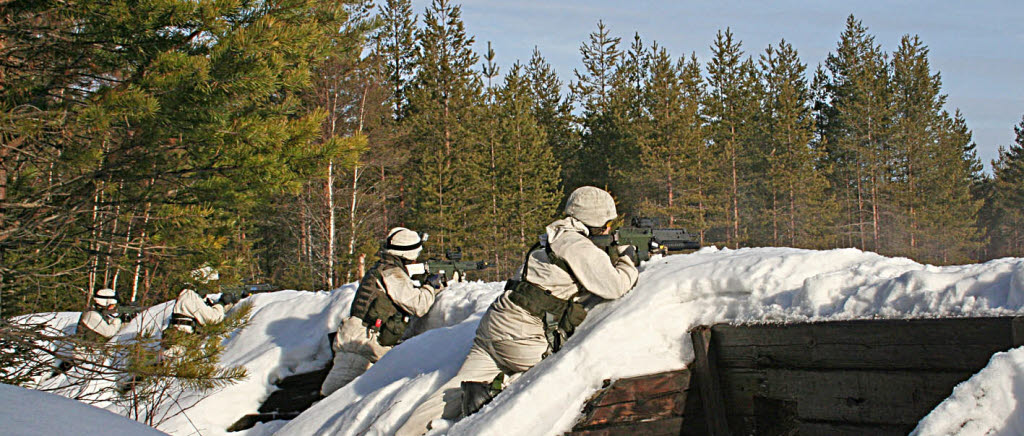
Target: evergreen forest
x: 141, y: 140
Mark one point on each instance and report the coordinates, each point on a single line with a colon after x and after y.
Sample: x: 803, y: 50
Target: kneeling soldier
x: 537, y: 312
x: 384, y: 303
x: 191, y: 312
x: 97, y: 325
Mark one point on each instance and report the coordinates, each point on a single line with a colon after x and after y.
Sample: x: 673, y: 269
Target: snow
x: 989, y: 403
x: 28, y: 412
x: 644, y: 332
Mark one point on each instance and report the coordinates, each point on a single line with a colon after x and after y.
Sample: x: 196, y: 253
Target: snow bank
x: 28, y: 412
x: 989, y: 403
x: 643, y: 332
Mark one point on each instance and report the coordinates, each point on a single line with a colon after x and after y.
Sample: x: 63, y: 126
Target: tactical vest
x: 373, y: 305
x: 560, y: 317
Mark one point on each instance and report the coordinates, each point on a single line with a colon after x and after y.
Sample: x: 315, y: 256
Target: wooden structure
x: 296, y: 393
x: 876, y: 377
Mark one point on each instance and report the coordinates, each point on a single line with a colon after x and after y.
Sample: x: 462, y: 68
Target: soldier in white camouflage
x: 385, y: 303
x: 538, y: 310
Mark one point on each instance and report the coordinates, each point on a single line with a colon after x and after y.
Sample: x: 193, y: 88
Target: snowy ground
x: 32, y: 413
x: 642, y: 333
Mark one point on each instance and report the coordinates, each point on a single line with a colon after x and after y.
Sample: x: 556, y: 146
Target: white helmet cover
x: 104, y: 297
x: 592, y: 206
x: 403, y: 243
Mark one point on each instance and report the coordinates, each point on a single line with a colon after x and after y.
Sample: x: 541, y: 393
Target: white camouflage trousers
x: 356, y: 350
x: 485, y: 361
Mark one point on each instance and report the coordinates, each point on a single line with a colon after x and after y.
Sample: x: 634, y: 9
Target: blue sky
x: 975, y: 45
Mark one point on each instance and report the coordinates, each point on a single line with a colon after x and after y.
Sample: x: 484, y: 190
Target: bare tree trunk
x: 445, y: 164
x: 354, y: 203
x: 860, y: 210
x: 671, y: 202
x: 124, y: 253
x: 792, y: 215
x: 94, y: 260
x: 494, y: 205
x: 874, y: 209
x: 384, y: 198
x: 330, y: 225
x: 353, y: 206
x: 735, y: 190
x: 700, y: 197
x: 138, y: 258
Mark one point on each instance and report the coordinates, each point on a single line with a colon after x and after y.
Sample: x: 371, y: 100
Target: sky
x: 975, y: 45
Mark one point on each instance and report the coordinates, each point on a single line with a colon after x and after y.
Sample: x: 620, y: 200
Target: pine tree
x: 674, y: 152
x: 1004, y: 219
x: 395, y: 46
x: 175, y: 136
x: 730, y: 101
x: 917, y: 104
x: 527, y: 173
x: 495, y: 217
x: 592, y: 90
x: 629, y: 119
x: 395, y: 50
x: 950, y: 217
x: 553, y: 112
x: 447, y: 171
x: 797, y: 207
x: 856, y: 130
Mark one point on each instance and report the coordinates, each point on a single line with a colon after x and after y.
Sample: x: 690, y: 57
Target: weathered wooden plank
x: 706, y: 374
x: 639, y: 388
x: 635, y: 411
x: 1018, y: 331
x: 664, y: 427
x: 929, y: 344
x: 296, y: 393
x: 853, y: 396
x: 249, y: 421
x: 840, y: 429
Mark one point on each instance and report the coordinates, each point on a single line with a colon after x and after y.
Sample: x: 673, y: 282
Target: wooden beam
x: 950, y: 344
x: 852, y: 396
x: 1018, y: 331
x: 705, y: 371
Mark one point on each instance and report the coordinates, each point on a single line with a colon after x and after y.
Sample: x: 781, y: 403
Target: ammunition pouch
x: 560, y: 317
x: 182, y: 320
x: 372, y: 305
x: 387, y: 320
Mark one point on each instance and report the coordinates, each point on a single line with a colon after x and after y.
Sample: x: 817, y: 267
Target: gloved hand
x: 456, y: 277
x: 628, y: 251
x: 126, y: 317
x: 437, y: 281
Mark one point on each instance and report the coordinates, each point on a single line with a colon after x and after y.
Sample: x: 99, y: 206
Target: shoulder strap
x: 526, y: 262
x: 554, y: 258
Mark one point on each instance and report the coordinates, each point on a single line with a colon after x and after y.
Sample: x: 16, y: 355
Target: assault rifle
x: 452, y: 265
x: 648, y: 239
x: 245, y: 290
x: 129, y: 311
